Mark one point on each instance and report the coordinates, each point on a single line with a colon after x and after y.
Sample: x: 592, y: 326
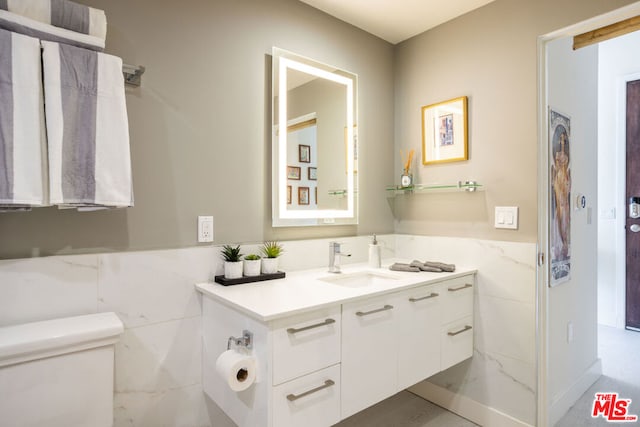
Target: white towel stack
x: 62, y: 14
x: 22, y: 138
x: 84, y: 162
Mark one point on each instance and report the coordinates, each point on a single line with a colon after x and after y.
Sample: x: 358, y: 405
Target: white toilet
x: 59, y: 372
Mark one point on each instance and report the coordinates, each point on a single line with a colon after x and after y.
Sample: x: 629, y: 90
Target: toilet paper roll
x: 236, y: 369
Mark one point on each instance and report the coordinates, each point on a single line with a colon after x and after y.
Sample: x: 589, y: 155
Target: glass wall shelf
x: 468, y: 186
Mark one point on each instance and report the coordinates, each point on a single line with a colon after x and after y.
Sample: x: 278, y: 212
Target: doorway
x: 560, y: 326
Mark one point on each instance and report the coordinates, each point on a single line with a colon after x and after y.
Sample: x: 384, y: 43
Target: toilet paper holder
x: 246, y: 340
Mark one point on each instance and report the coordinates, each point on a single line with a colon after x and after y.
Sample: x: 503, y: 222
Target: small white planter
x: 252, y: 267
x: 269, y: 265
x: 232, y: 270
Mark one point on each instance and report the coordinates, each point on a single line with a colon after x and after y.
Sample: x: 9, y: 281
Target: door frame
x: 542, y: 270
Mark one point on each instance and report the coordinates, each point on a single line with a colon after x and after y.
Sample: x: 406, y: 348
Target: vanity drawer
x: 311, y: 401
x: 457, y: 301
x: 305, y: 344
x: 457, y: 342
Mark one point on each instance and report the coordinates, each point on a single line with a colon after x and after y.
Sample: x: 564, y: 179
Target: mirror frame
x: 283, y: 217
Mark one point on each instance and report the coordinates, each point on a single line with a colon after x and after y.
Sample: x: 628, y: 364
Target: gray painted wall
x: 199, y: 126
x: 489, y: 55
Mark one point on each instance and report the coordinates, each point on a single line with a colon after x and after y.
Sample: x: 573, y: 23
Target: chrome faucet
x: 334, y: 257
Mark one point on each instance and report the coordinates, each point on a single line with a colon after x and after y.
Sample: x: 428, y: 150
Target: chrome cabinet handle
x: 432, y: 295
x: 460, y: 288
x: 365, y: 313
x: 294, y: 397
x: 306, y: 328
x: 453, y: 334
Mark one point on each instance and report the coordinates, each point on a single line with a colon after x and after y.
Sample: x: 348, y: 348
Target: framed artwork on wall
x: 304, y: 153
x: 560, y: 203
x: 288, y: 194
x: 313, y: 173
x: 303, y: 195
x: 444, y: 132
x: 293, y: 172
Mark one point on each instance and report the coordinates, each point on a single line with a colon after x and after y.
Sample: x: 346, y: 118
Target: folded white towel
x: 22, y: 138
x: 61, y: 13
x: 87, y: 128
x: 21, y: 24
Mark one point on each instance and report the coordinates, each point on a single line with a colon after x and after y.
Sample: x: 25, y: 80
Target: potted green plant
x: 232, y: 262
x: 252, y: 265
x: 270, y: 253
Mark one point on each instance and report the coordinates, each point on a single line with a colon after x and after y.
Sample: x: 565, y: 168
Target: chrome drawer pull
x: 453, y: 334
x: 293, y: 397
x: 433, y: 295
x: 306, y: 328
x: 366, y: 313
x: 460, y: 288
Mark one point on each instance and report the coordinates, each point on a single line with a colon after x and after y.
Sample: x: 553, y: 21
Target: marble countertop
x: 303, y: 291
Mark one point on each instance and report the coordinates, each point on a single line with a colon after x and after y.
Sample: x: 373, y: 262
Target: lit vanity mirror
x: 314, y: 142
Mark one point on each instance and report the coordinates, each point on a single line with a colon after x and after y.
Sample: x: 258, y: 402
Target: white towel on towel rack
x: 87, y: 128
x: 61, y: 13
x: 22, y: 138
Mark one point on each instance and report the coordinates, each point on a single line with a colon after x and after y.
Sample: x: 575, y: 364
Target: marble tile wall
x: 502, y: 373
x: 158, y: 359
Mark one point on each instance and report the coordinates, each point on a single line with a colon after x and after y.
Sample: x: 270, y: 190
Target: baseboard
x: 561, y: 404
x: 465, y: 407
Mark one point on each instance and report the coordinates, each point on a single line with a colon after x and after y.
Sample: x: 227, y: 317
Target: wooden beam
x: 605, y: 33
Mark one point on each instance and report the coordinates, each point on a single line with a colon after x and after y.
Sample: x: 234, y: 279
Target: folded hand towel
x: 450, y: 268
x: 61, y: 13
x: 424, y: 267
x: 87, y: 128
x: 403, y: 267
x: 22, y: 138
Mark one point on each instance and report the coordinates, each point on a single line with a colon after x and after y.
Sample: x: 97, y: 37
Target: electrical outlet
x: 205, y: 229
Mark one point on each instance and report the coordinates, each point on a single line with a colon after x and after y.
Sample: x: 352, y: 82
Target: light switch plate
x: 205, y: 229
x: 506, y: 217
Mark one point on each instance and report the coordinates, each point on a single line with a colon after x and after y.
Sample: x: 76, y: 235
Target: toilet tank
x: 59, y: 372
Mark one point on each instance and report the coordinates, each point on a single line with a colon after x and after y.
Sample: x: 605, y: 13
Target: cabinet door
x: 369, y: 352
x: 419, y: 312
x: 457, y: 342
x: 310, y: 401
x: 457, y: 299
x: 305, y: 343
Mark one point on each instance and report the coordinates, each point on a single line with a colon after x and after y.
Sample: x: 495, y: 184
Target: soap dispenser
x: 374, y: 254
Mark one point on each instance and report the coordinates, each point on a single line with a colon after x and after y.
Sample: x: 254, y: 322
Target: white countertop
x: 303, y: 291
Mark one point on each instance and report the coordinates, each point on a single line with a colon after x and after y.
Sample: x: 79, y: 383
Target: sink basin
x: 359, y: 279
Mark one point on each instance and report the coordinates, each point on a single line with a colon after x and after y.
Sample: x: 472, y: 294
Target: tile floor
x: 619, y: 350
x: 405, y: 410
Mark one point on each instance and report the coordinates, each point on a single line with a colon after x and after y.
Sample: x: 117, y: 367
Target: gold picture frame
x: 445, y: 132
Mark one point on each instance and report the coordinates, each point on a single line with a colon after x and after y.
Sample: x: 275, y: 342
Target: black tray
x: 249, y: 279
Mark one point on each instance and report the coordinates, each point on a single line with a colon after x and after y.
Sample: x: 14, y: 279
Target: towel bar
x: 132, y: 74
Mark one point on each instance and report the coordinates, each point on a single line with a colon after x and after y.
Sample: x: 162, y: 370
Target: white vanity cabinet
x: 322, y: 363
x: 394, y: 341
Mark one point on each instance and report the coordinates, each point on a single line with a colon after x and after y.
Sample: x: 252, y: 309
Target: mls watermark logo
x: 612, y: 409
